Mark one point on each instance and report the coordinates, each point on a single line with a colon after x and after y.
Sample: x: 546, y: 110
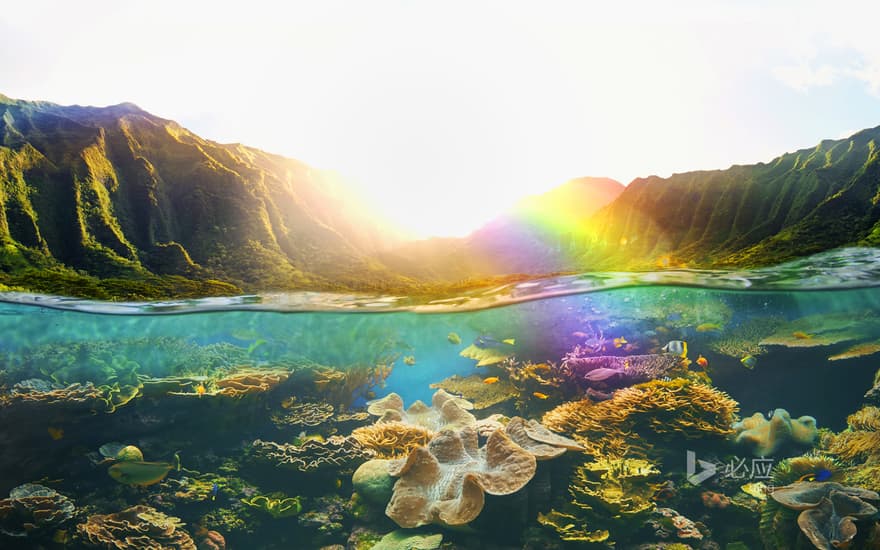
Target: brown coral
x: 446, y: 411
x: 392, y: 439
x: 538, y: 440
x: 636, y: 416
x: 33, y: 508
x: 250, y: 382
x: 476, y: 391
x: 335, y: 452
x: 75, y: 396
x: 861, y: 440
x: 307, y: 415
x: 445, y: 482
x: 135, y: 528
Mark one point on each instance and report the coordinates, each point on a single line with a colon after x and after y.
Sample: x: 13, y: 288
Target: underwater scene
x: 737, y: 411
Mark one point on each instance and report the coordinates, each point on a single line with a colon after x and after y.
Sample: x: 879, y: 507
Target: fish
x: 486, y: 341
x: 749, y: 361
x: 143, y: 473
x: 55, y: 433
x: 801, y: 335
x: 822, y: 474
x: 702, y: 361
x: 201, y: 390
x: 540, y: 395
x: 338, y: 483
x: 709, y: 327
x: 453, y: 338
x: 409, y: 360
x: 490, y: 380
x: 214, y: 490
x: 676, y: 347
x: 619, y: 342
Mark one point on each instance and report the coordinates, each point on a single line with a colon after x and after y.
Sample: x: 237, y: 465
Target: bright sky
x: 447, y: 113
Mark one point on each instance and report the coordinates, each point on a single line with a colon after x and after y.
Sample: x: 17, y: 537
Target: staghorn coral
x: 392, y: 439
x: 335, y: 452
x: 445, y: 413
x: 136, y: 528
x: 33, y: 509
x: 827, y: 517
x: 304, y: 415
x: 446, y: 481
x: 765, y: 437
x: 473, y: 389
x: 610, y: 496
x: 609, y: 372
x: 636, y: 417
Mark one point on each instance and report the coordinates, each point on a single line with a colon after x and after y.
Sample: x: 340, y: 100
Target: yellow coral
x: 392, y: 439
x: 861, y: 441
x: 250, y: 381
x: 658, y: 409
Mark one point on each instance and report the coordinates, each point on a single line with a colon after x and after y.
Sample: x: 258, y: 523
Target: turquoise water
x: 817, y: 311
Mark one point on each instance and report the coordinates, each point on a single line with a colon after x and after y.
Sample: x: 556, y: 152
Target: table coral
x: 392, y: 439
x: 334, y: 452
x: 765, y: 437
x: 136, y: 528
x: 250, y: 382
x: 304, y: 415
x: 33, y: 509
x: 863, y: 349
x: 446, y: 481
x: 446, y: 412
x: 637, y: 417
x: 473, y: 389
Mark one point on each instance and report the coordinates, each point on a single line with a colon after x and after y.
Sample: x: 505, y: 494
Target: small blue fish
x: 822, y: 474
x: 215, y: 489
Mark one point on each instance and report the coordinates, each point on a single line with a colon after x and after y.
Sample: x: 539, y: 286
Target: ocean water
x: 203, y: 380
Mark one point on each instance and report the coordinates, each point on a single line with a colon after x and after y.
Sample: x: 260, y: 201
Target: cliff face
x: 798, y: 204
x: 118, y: 192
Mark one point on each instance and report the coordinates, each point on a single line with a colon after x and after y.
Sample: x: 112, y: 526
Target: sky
x: 443, y: 115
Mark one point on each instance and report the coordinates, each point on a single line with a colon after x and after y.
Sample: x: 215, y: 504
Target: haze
x: 444, y: 115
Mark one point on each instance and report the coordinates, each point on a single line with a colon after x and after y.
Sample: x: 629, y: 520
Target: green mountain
x: 116, y: 201
x: 798, y: 204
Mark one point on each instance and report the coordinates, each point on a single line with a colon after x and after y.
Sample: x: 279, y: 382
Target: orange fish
x: 619, y: 342
x: 702, y: 361
x: 201, y: 390
x: 540, y: 395
x: 55, y: 433
x: 490, y: 380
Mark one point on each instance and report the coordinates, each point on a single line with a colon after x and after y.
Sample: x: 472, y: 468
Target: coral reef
x: 250, y: 382
x: 544, y: 380
x: 609, y: 372
x: 473, y: 389
x: 32, y: 509
x: 789, y: 470
x: 373, y: 481
x: 538, y: 440
x: 136, y: 528
x: 335, y: 452
x: 276, y: 506
x: 609, y: 496
x: 745, y: 339
x: 445, y: 413
x: 392, y: 439
x: 341, y: 388
x: 863, y: 349
x: 861, y: 440
x: 635, y: 418
x: 405, y: 540
x: 445, y: 482
x: 34, y: 393
x: 765, y: 437
x: 304, y: 415
x: 669, y: 524
x: 828, y: 513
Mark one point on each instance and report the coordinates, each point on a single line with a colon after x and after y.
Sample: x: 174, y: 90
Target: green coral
x: 275, y: 506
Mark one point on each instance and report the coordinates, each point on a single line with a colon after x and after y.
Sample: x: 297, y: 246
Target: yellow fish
x: 510, y: 341
x: 201, y: 390
x: 490, y: 380
x: 55, y: 433
x: 409, y: 360
x: 619, y: 342
x: 676, y: 347
x: 702, y: 361
x: 709, y: 327
x: 142, y: 473
x: 540, y: 395
x: 453, y: 338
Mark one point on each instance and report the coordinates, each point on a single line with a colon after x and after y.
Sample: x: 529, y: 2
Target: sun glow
x: 446, y: 115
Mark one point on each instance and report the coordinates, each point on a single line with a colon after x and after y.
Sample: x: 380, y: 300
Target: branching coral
x: 445, y: 481
x: 638, y: 416
x: 33, y: 509
x: 392, y: 439
x: 135, y: 528
x: 610, y: 496
x: 335, y: 452
x: 861, y: 440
